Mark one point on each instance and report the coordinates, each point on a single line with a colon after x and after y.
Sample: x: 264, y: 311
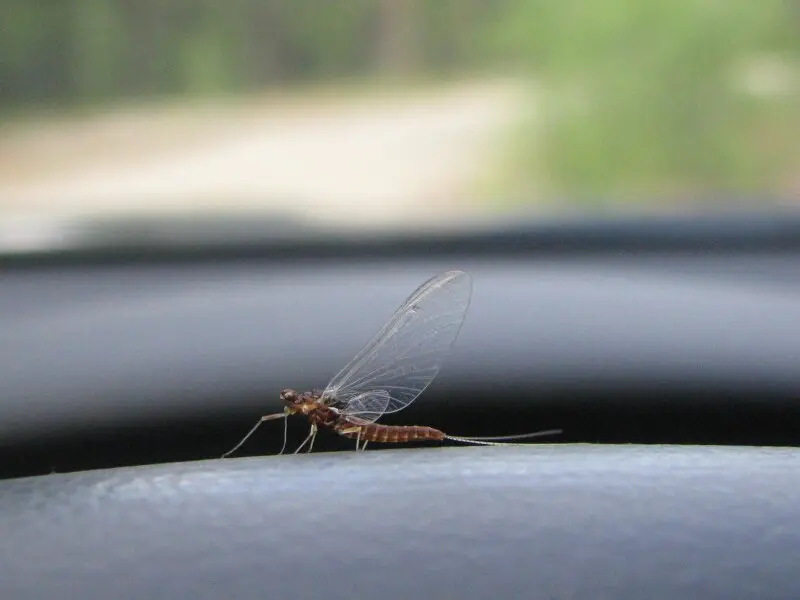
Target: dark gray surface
x: 92, y: 347
x: 622, y: 522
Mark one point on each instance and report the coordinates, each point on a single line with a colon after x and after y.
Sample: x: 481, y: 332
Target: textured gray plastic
x: 578, y: 522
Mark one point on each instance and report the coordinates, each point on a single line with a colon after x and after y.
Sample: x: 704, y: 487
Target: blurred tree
x: 90, y: 50
x: 640, y: 98
x: 95, y: 40
x: 398, y: 36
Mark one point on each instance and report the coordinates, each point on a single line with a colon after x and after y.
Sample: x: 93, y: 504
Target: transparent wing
x: 407, y: 353
x: 367, y: 407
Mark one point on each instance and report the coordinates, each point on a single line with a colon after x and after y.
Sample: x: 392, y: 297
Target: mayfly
x: 390, y: 372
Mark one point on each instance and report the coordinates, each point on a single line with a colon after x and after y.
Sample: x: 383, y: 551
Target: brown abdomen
x: 393, y: 434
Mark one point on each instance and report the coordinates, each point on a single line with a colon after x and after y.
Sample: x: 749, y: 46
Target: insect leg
x: 285, y: 434
x: 358, y: 438
x: 282, y: 415
x: 313, y: 437
x: 308, y: 437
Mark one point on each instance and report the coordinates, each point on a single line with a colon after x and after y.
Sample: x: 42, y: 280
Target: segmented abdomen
x: 372, y: 432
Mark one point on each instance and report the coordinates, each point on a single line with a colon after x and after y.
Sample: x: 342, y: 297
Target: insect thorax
x: 324, y: 415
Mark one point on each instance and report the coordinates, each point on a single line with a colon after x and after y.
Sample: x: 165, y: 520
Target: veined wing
x: 406, y: 354
x: 367, y: 407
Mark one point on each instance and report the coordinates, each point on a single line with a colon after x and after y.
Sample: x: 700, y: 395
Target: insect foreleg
x: 282, y: 415
x: 285, y: 435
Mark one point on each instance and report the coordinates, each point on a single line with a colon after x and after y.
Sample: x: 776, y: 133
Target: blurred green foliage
x: 95, y: 50
x: 628, y: 97
x: 642, y: 98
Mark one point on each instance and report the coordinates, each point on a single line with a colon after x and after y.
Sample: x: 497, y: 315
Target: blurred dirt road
x: 363, y: 160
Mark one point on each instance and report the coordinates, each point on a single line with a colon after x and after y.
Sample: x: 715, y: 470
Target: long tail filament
x: 495, y: 441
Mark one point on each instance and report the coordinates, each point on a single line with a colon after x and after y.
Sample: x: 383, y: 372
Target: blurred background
x: 393, y: 113
x: 354, y: 137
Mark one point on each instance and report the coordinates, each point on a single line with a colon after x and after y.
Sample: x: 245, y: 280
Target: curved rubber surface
x: 540, y: 522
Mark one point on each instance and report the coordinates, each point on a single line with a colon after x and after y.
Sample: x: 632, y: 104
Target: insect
x: 390, y: 372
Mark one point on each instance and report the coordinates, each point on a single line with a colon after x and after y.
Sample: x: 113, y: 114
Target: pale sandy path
x: 373, y: 160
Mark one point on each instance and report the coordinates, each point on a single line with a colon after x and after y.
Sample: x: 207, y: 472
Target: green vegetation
x: 642, y: 98
x: 630, y: 99
x: 99, y: 50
